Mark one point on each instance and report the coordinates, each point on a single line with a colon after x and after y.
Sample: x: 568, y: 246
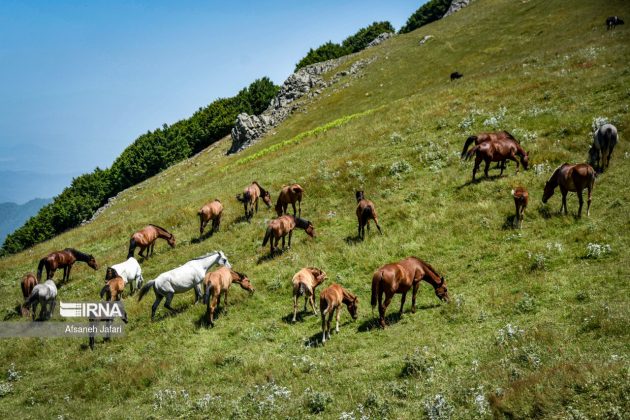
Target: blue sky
x: 81, y: 80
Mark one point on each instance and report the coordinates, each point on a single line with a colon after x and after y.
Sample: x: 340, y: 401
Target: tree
x: 427, y: 13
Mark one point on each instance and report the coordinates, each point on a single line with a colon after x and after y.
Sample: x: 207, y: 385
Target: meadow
x: 538, y: 321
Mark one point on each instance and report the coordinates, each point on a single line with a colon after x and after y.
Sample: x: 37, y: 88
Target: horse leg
x: 359, y: 229
x: 377, y: 225
x: 67, y: 275
x: 388, y: 300
x: 158, y: 299
x: 256, y: 205
x: 295, y: 305
x: 516, y: 217
x: 564, y: 201
x: 402, y: 304
x: 413, y: 297
x: 52, y: 308
x: 294, y: 211
x: 588, y: 202
x: 34, y: 309
x: 283, y: 241
x: 521, y: 217
x: 312, y: 300
x: 338, y: 315
x: 225, y: 303
x: 330, y: 316
x: 487, y: 167
x: 323, y: 328
x: 581, y: 201
x: 290, y: 235
x: 169, y: 299
x: 198, y: 294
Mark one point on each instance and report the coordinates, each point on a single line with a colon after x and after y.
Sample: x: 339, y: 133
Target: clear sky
x: 80, y: 80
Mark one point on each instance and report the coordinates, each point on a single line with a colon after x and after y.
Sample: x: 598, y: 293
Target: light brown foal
x: 365, y: 211
x: 217, y: 282
x: 330, y: 301
x: 290, y: 194
x: 521, y: 199
x: 305, y: 282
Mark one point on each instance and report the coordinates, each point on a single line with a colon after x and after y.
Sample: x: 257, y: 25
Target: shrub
x: 317, y: 401
x: 427, y: 13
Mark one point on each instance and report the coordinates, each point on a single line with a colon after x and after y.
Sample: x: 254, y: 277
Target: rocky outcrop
x: 456, y: 5
x: 382, y: 37
x: 307, y: 80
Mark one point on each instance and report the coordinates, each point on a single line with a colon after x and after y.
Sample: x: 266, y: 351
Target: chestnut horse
x: 250, y: 196
x: 210, y: 211
x: 497, y: 151
x: 283, y: 226
x: 330, y: 300
x: 521, y: 199
x: 290, y: 194
x: 219, y: 281
x: 572, y: 178
x: 399, y: 278
x: 365, y: 212
x: 63, y: 259
x: 29, y: 281
x: 305, y: 282
x: 145, y: 239
x: 113, y: 289
x: 485, y: 137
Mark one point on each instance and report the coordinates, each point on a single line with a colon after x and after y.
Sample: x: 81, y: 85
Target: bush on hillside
x: 427, y: 13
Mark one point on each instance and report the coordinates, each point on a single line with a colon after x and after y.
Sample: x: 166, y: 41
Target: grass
x: 537, y: 326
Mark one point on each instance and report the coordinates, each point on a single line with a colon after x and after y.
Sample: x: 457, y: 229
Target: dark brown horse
x: 521, y: 199
x: 250, y: 196
x: 498, y: 151
x: 145, y: 240
x: 290, y: 194
x: 210, y: 211
x: 63, y: 259
x: 283, y: 226
x: 574, y: 178
x: 399, y: 278
x: 485, y: 137
x: 365, y: 212
x: 29, y: 281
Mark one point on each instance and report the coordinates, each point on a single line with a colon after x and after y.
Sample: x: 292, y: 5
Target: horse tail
x: 105, y: 289
x: 243, y: 198
x: 145, y: 289
x: 267, y: 235
x: 132, y: 247
x: 377, y: 278
x: 323, y: 306
x: 366, y: 214
x: 471, y: 152
x: 32, y: 298
x: 40, y: 268
x: 301, y: 290
x: 206, y: 295
x: 468, y: 142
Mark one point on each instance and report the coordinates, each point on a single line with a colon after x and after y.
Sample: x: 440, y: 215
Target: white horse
x: 181, y: 279
x: 45, y: 294
x: 129, y: 271
x: 604, y: 140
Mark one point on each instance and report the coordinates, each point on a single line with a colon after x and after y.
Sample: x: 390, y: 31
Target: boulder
x: 456, y: 5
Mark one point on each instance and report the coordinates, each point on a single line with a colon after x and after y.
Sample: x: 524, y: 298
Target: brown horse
x: 29, y: 281
x: 572, y: 178
x: 283, y: 226
x: 305, y: 282
x: 330, y: 300
x: 112, y: 291
x: 521, y: 199
x: 210, y: 211
x: 219, y: 281
x: 498, y: 151
x: 290, y: 194
x: 145, y: 239
x: 250, y: 196
x: 63, y: 259
x: 485, y: 137
x: 365, y: 212
x: 399, y: 278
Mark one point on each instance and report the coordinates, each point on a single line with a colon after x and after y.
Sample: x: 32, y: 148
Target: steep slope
x: 537, y: 326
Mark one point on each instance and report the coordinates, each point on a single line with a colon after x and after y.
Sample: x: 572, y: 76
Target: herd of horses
x: 390, y: 279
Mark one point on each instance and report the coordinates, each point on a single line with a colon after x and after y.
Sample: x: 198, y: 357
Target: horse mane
x: 81, y: 256
x: 262, y: 190
x: 430, y: 267
x: 510, y: 136
x: 519, y: 150
x: 205, y: 256
x: 302, y: 223
x: 161, y: 228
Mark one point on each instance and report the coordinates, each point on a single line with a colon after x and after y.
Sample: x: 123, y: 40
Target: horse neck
x: 431, y: 277
x: 348, y: 297
x: 162, y: 233
x: 209, y: 261
x: 519, y: 150
x: 555, y: 177
x: 78, y: 255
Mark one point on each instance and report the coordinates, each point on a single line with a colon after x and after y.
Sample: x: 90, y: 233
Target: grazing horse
x: 63, y: 259
x: 29, y: 281
x: 290, y: 194
x: 365, y: 212
x: 130, y: 272
x: 483, y: 138
x: 613, y: 21
x: 182, y: 279
x: 250, y: 196
x: 113, y: 289
x: 330, y: 300
x: 217, y: 282
x: 305, y: 282
x: 145, y: 239
x: 210, y: 211
x: 604, y: 141
x: 572, y: 178
x: 45, y: 294
x: 497, y: 151
x: 283, y: 226
x: 456, y: 75
x: 521, y: 198
x: 399, y: 278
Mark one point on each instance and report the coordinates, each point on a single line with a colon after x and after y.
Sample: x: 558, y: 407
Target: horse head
x: 171, y: 241
x: 525, y: 161
x: 266, y: 198
x: 359, y: 195
x: 244, y: 282
x: 92, y: 262
x: 320, y: 275
x: 223, y: 260
x: 442, y: 291
x: 548, y: 192
x: 353, y: 307
x: 110, y: 273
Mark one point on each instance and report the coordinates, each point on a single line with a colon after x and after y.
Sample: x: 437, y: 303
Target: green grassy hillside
x: 537, y: 326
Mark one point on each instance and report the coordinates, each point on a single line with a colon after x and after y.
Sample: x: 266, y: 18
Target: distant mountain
x: 12, y: 215
x: 21, y: 186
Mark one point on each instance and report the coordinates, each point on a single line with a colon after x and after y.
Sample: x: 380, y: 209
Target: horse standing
x: 130, y: 272
x: 63, y: 259
x: 283, y: 226
x: 250, y: 196
x: 305, y: 282
x: 182, y: 279
x: 29, y: 281
x: 521, y: 199
x: 456, y: 75
x: 218, y: 282
x: 574, y: 178
x: 113, y: 289
x: 604, y: 141
x: 44, y: 294
x: 145, y: 239
x: 330, y: 300
x: 210, y: 211
x: 483, y: 138
x: 613, y: 21
x: 399, y: 278
x: 290, y: 194
x: 498, y: 151
x: 365, y: 211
